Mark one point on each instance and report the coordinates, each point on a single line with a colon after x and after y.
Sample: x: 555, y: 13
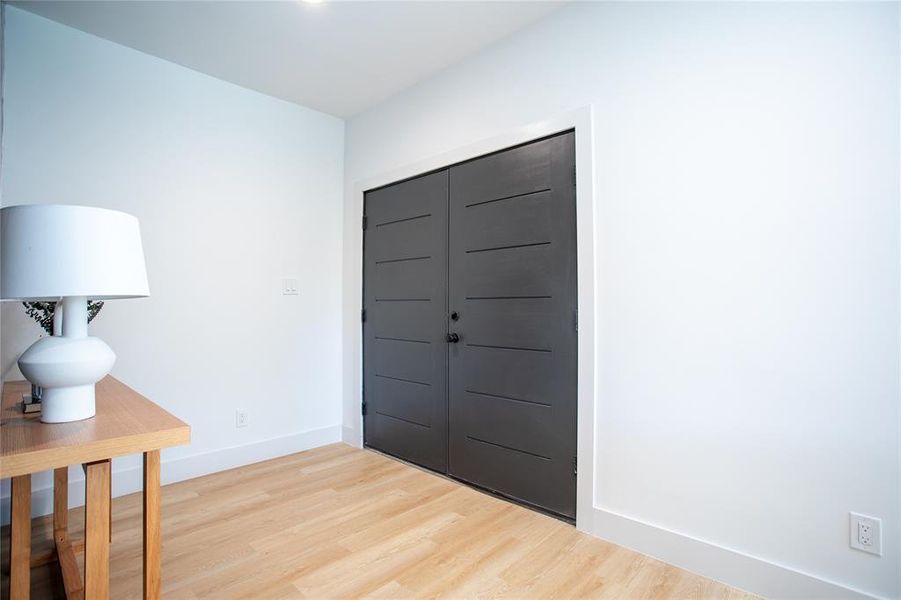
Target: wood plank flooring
x: 338, y: 522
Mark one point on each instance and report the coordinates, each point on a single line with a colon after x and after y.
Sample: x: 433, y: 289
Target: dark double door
x: 469, y: 335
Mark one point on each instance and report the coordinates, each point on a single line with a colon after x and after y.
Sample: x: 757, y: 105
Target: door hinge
x: 363, y: 316
x: 576, y: 320
x: 575, y: 466
x: 574, y: 176
x: 363, y: 409
x: 364, y: 222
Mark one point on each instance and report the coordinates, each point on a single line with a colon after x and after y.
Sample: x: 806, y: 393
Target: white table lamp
x: 67, y: 254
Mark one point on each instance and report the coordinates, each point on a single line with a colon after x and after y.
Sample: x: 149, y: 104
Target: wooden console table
x: 126, y: 423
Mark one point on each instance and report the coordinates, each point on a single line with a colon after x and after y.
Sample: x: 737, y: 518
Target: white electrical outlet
x: 866, y: 533
x: 240, y: 418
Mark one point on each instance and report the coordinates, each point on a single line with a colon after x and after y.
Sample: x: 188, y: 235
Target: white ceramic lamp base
x: 64, y: 404
x: 68, y: 366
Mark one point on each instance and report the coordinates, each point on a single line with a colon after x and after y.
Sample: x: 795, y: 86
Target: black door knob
x: 455, y: 315
x: 453, y: 338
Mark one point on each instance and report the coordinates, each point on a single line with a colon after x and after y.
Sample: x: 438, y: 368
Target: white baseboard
x: 739, y: 570
x: 351, y: 437
x: 128, y: 481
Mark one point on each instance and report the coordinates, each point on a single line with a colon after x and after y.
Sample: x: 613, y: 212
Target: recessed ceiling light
x: 312, y: 1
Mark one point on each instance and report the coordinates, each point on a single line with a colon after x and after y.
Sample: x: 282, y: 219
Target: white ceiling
x: 337, y: 57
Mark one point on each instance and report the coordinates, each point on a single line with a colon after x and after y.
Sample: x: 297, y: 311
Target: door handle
x: 453, y: 338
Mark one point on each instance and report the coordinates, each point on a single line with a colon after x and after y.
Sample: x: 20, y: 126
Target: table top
x: 126, y: 423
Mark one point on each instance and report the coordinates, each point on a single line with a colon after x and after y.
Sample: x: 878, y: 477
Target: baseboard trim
x: 737, y: 569
x: 129, y: 480
x: 351, y: 437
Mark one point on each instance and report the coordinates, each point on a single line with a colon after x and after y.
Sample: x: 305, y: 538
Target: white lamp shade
x: 48, y: 251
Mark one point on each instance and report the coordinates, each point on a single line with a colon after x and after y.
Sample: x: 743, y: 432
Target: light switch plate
x: 289, y: 286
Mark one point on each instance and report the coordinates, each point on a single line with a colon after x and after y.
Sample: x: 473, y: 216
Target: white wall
x: 747, y: 177
x: 234, y: 190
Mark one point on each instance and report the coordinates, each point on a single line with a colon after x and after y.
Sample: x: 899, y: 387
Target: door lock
x: 453, y: 338
x: 455, y: 316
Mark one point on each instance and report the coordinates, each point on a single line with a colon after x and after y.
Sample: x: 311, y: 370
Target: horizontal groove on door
x: 475, y: 439
x: 403, y: 299
x: 397, y: 260
x: 410, y: 421
x: 513, y: 247
x: 508, y: 398
x: 402, y: 379
x: 508, y: 197
x: 395, y: 339
x: 403, y: 220
x: 508, y: 348
x: 509, y: 297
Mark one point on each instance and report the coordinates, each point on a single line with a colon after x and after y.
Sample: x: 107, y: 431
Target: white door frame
x: 581, y: 120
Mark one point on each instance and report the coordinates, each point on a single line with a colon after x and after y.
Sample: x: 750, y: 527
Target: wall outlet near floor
x: 240, y: 418
x: 866, y: 533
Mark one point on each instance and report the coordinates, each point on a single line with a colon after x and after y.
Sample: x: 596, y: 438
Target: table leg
x: 65, y: 554
x: 60, y: 503
x: 111, y: 503
x: 96, y: 529
x: 152, y: 542
x: 20, y: 538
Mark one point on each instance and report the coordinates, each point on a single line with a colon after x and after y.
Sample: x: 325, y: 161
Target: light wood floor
x: 341, y: 522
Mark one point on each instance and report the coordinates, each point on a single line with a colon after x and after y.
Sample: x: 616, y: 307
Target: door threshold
x: 476, y: 487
